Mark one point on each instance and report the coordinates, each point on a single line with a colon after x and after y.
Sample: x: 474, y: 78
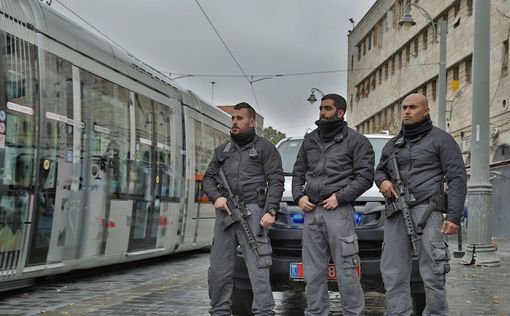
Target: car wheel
x: 242, y: 300
x: 418, y: 303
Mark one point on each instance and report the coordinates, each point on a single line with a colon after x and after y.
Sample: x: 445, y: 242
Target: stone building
x: 387, y: 62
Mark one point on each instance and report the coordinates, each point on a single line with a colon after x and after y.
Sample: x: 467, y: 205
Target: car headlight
x: 368, y: 214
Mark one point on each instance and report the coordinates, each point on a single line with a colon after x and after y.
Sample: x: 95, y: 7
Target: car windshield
x: 289, y: 150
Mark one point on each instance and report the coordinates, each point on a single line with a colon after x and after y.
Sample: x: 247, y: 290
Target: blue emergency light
x: 297, y: 218
x: 358, y: 218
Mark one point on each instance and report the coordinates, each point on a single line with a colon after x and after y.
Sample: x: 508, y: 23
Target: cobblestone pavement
x: 480, y: 290
x: 177, y: 285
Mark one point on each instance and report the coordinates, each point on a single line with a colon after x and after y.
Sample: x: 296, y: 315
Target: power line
x: 230, y: 52
x: 109, y: 39
x: 271, y: 76
x: 97, y: 30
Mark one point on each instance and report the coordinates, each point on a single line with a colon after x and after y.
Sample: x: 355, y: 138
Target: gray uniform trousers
x: 221, y: 269
x: 396, y: 264
x: 330, y: 234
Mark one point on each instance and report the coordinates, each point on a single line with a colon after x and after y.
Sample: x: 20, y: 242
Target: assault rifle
x: 238, y: 213
x: 402, y: 203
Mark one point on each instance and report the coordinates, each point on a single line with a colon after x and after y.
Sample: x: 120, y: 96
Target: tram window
x: 19, y: 59
x: 140, y: 173
x: 56, y: 141
x: 13, y: 209
x: 105, y: 110
x: 166, y: 185
x: 206, y: 140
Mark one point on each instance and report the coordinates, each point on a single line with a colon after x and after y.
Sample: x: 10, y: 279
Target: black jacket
x: 245, y: 174
x: 423, y: 163
x: 344, y: 166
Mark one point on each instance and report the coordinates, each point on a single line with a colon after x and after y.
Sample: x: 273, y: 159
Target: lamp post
x: 479, y: 248
x: 312, y: 97
x: 407, y: 20
x: 212, y: 91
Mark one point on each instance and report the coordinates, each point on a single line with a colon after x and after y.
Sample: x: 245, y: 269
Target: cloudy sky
x: 266, y: 37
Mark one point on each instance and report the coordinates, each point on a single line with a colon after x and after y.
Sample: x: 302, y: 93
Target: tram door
x: 144, y: 217
x: 59, y: 199
x: 105, y: 111
x: 168, y: 169
x: 207, y: 137
x: 18, y: 104
x: 202, y: 137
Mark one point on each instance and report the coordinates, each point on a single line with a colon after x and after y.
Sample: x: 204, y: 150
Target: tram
x: 101, y: 156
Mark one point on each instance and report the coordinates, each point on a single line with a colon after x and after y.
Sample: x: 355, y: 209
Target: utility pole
x: 479, y: 249
x: 212, y: 92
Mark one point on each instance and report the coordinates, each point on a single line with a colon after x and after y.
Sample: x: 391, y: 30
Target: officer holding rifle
x: 245, y: 182
x: 415, y: 169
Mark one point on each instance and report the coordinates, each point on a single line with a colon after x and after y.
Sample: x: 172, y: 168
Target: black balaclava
x: 330, y: 128
x: 417, y: 129
x: 243, y: 139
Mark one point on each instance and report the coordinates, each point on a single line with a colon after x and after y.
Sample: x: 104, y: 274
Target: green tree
x: 273, y: 135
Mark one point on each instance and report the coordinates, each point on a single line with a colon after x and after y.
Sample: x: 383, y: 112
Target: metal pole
x: 212, y: 92
x: 441, y: 115
x: 479, y: 247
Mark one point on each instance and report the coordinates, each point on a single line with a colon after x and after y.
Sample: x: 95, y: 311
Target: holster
x: 261, y: 196
x: 443, y: 202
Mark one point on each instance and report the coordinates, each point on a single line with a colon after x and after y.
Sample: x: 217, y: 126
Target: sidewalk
x: 473, y: 290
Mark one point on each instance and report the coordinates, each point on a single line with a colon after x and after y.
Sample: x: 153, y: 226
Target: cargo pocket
x: 264, y: 251
x: 349, y: 252
x: 348, y: 245
x: 441, y: 256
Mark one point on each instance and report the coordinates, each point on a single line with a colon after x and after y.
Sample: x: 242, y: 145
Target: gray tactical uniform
x: 344, y: 166
x: 255, y: 165
x: 423, y: 162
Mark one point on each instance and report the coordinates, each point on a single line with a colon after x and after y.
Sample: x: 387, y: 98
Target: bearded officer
x: 334, y: 166
x: 251, y: 165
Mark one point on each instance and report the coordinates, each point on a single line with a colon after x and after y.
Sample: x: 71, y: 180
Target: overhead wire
x: 109, y: 39
x: 230, y: 52
x: 92, y: 26
x: 271, y: 76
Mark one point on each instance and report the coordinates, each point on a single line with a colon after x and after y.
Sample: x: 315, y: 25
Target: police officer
x: 334, y: 166
x: 424, y: 154
x: 249, y: 163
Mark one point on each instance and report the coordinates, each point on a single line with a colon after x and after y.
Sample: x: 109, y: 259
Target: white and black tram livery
x: 101, y: 157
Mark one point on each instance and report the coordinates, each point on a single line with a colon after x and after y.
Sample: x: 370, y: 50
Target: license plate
x: 296, y: 271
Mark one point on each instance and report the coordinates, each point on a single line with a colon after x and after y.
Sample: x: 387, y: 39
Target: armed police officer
x: 426, y: 159
x: 250, y: 168
x: 334, y: 166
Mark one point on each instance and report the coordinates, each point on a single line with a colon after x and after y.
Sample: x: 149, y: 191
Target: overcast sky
x: 265, y: 36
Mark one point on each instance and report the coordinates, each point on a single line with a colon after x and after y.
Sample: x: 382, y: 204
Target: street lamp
x: 407, y: 20
x: 312, y: 97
